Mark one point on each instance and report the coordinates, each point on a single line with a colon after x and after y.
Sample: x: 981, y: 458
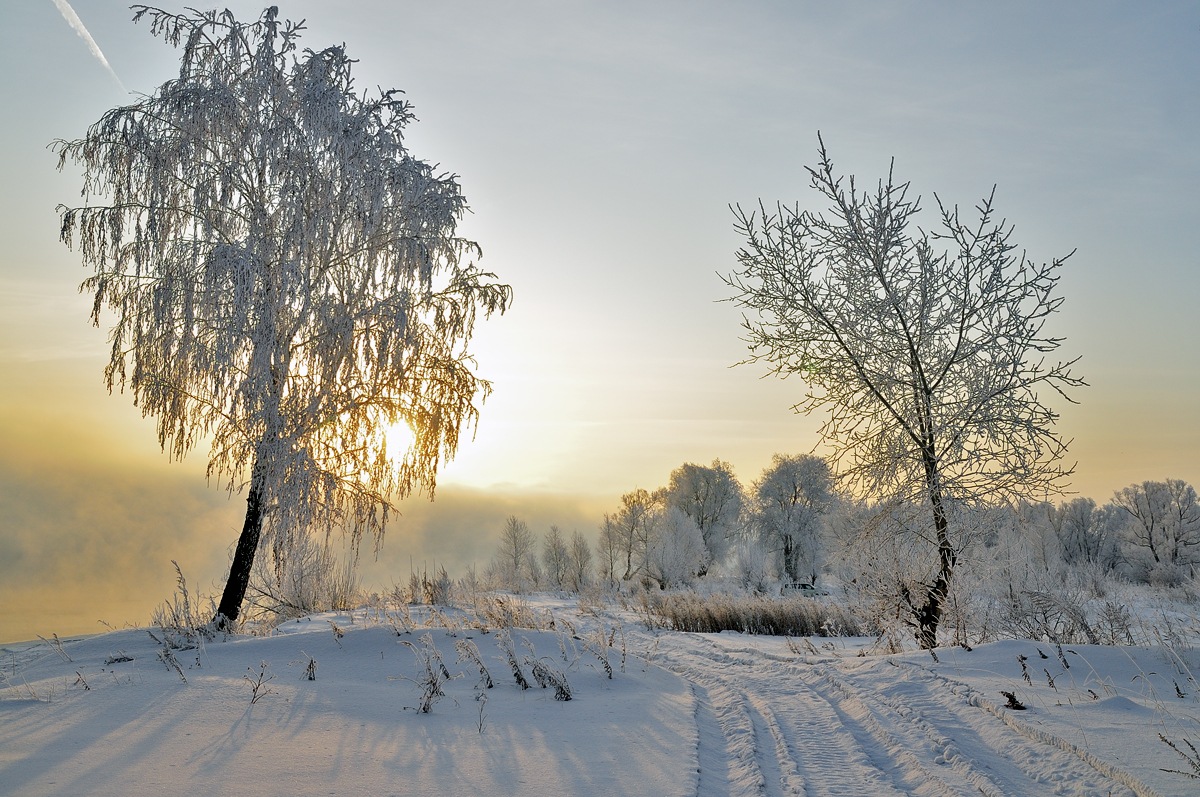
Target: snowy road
x: 768, y: 722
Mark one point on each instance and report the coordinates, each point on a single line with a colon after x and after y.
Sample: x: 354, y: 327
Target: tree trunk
x: 929, y: 614
x: 243, y: 558
x: 789, y: 559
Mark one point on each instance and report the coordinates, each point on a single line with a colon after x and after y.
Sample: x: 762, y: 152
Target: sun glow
x: 399, y: 438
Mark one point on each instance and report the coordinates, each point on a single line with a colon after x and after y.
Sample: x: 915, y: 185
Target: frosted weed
x: 258, y: 683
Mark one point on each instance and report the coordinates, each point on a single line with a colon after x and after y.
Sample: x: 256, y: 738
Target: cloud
x: 77, y: 25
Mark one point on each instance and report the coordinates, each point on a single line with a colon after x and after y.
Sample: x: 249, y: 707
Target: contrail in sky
x: 77, y: 25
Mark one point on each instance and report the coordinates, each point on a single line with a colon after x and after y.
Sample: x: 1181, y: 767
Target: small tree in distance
x: 787, y: 510
x: 556, y: 558
x: 579, y: 562
x: 285, y: 277
x: 927, y: 351
x: 515, y: 555
x: 712, y: 497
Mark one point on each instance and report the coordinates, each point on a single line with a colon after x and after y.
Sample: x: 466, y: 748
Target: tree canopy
x: 712, y: 497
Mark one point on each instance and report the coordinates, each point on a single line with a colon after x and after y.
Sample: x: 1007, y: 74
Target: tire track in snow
x: 940, y: 722
x: 783, y: 766
x: 967, y: 695
x: 920, y: 774
x: 752, y: 770
x: 792, y: 746
x: 773, y: 725
x: 719, y: 766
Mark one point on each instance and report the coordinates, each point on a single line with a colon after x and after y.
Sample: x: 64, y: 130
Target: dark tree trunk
x: 928, y: 615
x: 790, y: 568
x: 243, y: 559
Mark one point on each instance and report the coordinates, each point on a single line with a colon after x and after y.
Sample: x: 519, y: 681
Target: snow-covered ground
x: 682, y: 714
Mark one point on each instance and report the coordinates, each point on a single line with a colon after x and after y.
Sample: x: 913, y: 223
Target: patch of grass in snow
x: 1192, y: 758
x: 749, y: 614
x: 432, y: 673
x: 183, y: 624
x: 499, y: 610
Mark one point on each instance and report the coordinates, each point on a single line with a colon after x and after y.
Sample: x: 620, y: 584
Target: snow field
x: 683, y: 713
x: 139, y: 729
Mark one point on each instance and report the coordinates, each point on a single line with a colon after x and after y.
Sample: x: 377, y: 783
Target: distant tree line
x: 792, y: 526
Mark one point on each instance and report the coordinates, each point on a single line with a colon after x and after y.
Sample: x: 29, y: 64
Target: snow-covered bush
x: 303, y: 575
x: 675, y: 550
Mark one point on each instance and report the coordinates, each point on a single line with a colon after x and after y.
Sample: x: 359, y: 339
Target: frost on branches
x: 928, y: 351
x: 286, y: 279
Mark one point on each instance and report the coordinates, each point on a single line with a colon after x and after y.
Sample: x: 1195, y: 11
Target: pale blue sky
x: 599, y: 145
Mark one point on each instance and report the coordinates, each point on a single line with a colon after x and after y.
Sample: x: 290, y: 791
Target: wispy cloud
x: 77, y: 25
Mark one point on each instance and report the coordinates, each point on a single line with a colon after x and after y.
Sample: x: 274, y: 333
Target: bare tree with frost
x: 579, y: 562
x: 286, y: 279
x: 1162, y: 526
x: 625, y: 534
x: 1087, y: 533
x: 928, y: 350
x: 556, y: 558
x: 515, y: 554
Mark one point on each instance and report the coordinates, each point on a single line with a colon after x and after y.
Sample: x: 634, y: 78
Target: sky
x: 600, y: 146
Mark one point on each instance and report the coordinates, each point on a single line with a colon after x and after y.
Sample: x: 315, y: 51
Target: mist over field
x: 58, y: 575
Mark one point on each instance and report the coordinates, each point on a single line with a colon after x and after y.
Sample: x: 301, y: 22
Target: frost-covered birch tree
x: 928, y: 351
x: 285, y: 279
